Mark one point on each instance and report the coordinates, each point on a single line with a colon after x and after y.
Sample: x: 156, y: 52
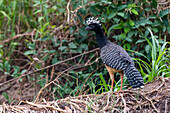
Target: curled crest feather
x: 92, y: 20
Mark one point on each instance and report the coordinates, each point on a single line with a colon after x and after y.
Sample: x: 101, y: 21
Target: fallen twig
x: 124, y: 102
x: 44, y: 106
x: 150, y: 102
x: 163, y: 82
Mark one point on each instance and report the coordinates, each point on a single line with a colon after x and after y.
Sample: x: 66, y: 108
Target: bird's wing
x: 115, y: 56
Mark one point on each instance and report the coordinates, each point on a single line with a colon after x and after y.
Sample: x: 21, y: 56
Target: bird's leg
x: 121, y: 76
x: 112, y: 79
x: 111, y: 73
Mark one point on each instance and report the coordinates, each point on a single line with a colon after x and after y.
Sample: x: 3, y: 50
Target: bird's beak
x: 88, y: 28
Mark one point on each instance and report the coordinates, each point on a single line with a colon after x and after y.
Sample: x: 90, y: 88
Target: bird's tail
x: 134, y: 77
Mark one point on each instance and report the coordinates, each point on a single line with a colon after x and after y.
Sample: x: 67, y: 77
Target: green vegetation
x: 36, y: 34
x: 158, y: 65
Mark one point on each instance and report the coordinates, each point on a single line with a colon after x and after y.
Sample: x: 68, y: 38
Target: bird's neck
x: 101, y: 39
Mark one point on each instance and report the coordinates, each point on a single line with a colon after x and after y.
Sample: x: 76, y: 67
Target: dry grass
x: 155, y: 97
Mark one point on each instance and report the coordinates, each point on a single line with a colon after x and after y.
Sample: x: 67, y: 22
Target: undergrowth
x: 36, y: 35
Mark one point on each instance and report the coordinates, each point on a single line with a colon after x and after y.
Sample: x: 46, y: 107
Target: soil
x: 153, y: 98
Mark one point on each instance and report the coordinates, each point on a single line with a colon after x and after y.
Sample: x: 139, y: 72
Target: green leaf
x: 74, y: 51
x: 5, y: 15
x: 84, y: 46
x: 40, y: 18
x: 16, y: 71
x: 164, y: 12
x: 62, y: 48
x: 152, y: 16
x: 123, y: 35
x: 156, y: 23
x: 23, y: 71
x: 126, y: 29
x: 55, y: 60
x: 134, y: 11
x: 5, y: 95
x: 83, y: 32
x: 31, y: 46
x: 103, y: 17
x: 128, y: 39
x: 121, y: 7
x: 111, y: 15
x: 1, y: 46
x: 143, y: 22
x: 168, y: 29
x: 131, y: 23
x: 118, y: 26
x: 82, y: 39
x: 30, y: 52
x: 131, y: 5
x: 147, y: 9
x: 109, y: 30
x: 93, y: 10
x: 7, y: 66
x: 72, y: 45
x: 127, y: 45
x: 146, y: 33
x: 1, y: 53
x: 79, y: 50
x: 1, y: 1
x: 71, y: 29
x: 154, y: 3
x: 154, y: 48
x: 106, y: 2
x: 113, y: 6
x: 140, y: 41
x: 1, y: 66
x: 165, y: 21
x: 131, y: 33
x: 164, y: 28
x: 116, y: 20
x: 44, y: 38
x: 48, y: 51
x: 155, y: 30
x: 117, y: 36
x: 147, y: 48
x: 121, y: 14
x: 37, y: 12
x: 148, y: 22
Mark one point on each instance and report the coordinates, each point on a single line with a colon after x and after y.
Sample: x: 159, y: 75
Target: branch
x: 19, y: 35
x: 1, y: 84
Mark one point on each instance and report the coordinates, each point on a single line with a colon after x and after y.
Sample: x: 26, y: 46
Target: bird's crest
x: 92, y: 20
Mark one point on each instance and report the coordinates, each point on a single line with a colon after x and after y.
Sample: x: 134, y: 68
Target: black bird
x: 115, y: 58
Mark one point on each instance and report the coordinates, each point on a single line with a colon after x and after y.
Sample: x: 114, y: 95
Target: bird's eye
x: 92, y: 26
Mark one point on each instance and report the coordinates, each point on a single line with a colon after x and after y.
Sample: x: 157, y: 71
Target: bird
x: 114, y: 57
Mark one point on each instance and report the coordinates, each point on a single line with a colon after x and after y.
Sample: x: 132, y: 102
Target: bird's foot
x: 118, y: 92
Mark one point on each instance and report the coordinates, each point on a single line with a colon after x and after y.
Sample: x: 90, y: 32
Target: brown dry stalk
x: 19, y: 35
x: 44, y: 106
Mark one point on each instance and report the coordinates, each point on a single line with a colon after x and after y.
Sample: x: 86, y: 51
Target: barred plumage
x: 115, y: 57
x: 134, y: 77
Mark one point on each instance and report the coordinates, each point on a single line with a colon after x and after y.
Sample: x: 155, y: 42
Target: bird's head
x: 93, y: 24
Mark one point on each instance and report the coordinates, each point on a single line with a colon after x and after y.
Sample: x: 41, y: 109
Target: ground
x: 154, y: 98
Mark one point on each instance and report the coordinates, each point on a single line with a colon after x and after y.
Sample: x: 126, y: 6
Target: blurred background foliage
x: 35, y: 35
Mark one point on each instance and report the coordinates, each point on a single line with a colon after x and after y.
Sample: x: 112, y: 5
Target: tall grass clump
x: 159, y: 63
